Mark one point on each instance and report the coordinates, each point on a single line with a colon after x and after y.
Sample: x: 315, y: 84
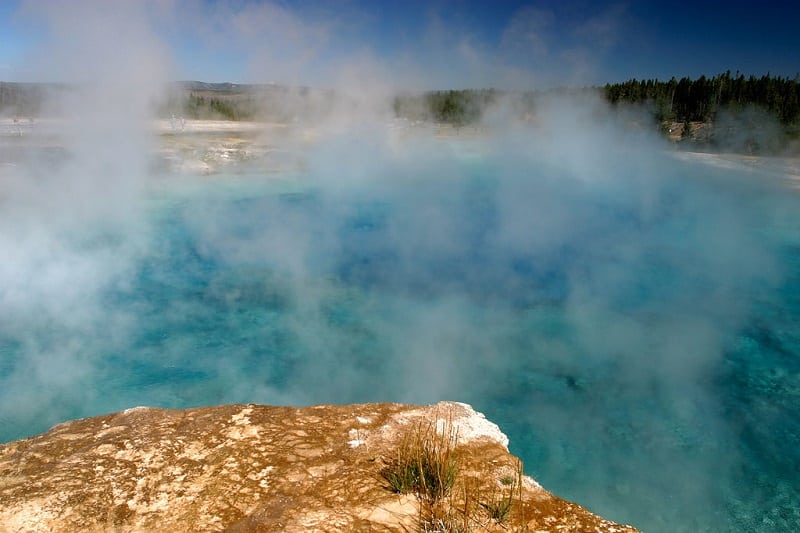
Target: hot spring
x: 628, y: 317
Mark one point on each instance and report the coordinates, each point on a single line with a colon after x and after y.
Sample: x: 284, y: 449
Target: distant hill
x: 228, y: 87
x: 206, y: 86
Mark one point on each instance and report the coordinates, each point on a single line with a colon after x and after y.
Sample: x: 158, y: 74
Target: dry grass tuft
x: 428, y: 465
x: 425, y: 464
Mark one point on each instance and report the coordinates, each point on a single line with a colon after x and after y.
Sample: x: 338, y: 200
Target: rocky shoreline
x: 258, y: 468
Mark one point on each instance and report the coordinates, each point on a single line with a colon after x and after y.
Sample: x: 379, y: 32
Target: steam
x: 568, y: 275
x: 748, y: 130
x: 71, y: 216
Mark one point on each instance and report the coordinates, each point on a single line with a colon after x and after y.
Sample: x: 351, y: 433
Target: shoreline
x: 782, y: 168
x: 207, y: 146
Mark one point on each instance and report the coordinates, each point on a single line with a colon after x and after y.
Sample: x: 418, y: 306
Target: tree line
x: 202, y: 107
x: 455, y: 107
x: 684, y: 100
x: 701, y: 99
x: 23, y: 98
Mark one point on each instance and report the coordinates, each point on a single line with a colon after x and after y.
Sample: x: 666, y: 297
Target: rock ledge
x: 258, y: 468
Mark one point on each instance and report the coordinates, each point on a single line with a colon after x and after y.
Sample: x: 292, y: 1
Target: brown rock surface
x: 257, y: 468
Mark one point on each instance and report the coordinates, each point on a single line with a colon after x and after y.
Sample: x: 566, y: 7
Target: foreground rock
x: 257, y: 468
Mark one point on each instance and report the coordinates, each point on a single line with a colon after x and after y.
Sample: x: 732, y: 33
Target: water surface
x: 630, y: 323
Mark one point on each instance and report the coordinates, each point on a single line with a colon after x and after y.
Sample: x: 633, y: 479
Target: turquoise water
x: 631, y: 324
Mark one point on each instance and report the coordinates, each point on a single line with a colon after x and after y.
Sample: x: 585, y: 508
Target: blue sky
x: 414, y: 43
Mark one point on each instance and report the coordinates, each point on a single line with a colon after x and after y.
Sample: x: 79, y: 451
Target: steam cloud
x: 571, y: 278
